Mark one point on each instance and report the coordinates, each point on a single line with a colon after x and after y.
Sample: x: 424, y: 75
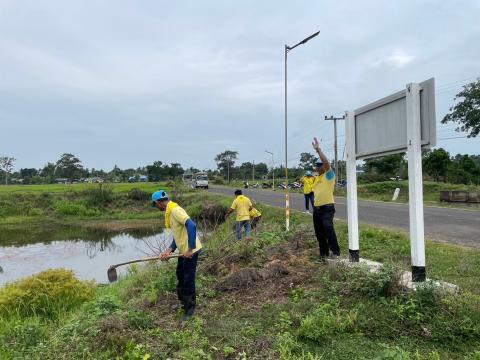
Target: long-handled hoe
x: 112, y: 270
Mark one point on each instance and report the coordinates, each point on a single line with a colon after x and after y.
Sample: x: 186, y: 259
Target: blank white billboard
x: 381, y: 127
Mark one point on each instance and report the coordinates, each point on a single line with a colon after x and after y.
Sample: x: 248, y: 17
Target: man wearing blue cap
x: 324, y: 208
x: 186, y: 241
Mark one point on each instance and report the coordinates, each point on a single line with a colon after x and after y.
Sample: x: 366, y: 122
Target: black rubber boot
x: 189, y: 303
x: 175, y: 307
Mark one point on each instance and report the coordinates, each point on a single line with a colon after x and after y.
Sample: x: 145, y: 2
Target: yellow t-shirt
x: 307, y: 184
x: 254, y: 213
x: 242, y: 205
x: 323, y: 187
x: 178, y: 218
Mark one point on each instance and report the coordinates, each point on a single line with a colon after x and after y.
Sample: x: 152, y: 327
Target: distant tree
x: 466, y: 113
x: 27, y: 174
x: 115, y: 174
x: 69, y: 166
x: 192, y: 170
x: 476, y: 159
x: 307, y: 161
x: 464, y: 170
x: 155, y: 171
x: 174, y: 170
x: 6, y: 163
x: 226, y: 161
x: 261, y: 169
x: 436, y: 163
x: 389, y: 165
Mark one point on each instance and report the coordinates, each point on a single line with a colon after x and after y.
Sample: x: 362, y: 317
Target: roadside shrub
x: 218, y: 181
x: 99, y: 196
x: 47, y: 294
x: 361, y: 280
x: 25, y: 333
x: 326, y: 321
x: 140, y: 320
x: 104, y: 305
x: 135, y: 352
x: 67, y: 208
x: 138, y: 195
x: 289, y: 348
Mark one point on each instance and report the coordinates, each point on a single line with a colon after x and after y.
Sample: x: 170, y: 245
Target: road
x: 455, y: 226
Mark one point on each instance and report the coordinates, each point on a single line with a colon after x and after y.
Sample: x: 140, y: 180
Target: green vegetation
x: 383, y: 191
x: 50, y: 203
x: 47, y: 294
x: 270, y: 299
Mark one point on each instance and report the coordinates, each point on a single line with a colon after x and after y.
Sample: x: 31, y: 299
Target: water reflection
x: 88, y: 253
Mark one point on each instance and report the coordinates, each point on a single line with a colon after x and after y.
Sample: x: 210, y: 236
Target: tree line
x: 438, y: 164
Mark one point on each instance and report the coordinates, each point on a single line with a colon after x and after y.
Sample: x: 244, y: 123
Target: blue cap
x: 158, y: 195
x: 308, y: 173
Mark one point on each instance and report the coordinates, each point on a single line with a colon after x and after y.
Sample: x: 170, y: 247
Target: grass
x: 66, y: 188
x: 79, y: 202
x: 383, y: 191
x: 302, y: 310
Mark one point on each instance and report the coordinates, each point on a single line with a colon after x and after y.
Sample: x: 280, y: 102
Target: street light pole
x: 273, y: 170
x: 337, y: 172
x: 287, y: 201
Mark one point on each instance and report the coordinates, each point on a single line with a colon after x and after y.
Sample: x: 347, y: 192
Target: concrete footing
x: 406, y: 279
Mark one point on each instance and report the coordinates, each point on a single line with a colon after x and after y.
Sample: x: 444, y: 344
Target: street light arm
x: 302, y: 42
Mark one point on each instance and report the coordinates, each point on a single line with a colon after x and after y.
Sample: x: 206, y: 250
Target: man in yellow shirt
x: 307, y: 181
x: 242, y: 205
x: 185, y: 239
x: 324, y: 208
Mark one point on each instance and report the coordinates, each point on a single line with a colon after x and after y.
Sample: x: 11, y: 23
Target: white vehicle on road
x: 200, y: 181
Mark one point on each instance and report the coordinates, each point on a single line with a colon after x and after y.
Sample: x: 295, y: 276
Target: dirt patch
x: 248, y: 276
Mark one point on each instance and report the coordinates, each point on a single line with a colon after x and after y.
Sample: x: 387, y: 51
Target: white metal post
x: 352, y: 204
x: 415, y: 190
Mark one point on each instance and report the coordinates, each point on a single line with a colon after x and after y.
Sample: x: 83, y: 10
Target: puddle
x: 87, y: 253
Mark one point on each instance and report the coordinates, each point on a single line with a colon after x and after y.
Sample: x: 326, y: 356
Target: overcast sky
x: 131, y: 82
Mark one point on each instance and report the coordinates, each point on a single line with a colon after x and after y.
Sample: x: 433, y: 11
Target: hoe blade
x: 112, y: 274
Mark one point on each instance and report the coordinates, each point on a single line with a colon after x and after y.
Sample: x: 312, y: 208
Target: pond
x: 88, y: 253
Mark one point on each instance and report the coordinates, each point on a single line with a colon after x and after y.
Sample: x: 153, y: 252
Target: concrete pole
x: 415, y: 183
x: 352, y: 203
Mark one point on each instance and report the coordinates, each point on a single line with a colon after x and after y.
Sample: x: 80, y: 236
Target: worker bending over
x: 242, y: 206
x: 185, y: 239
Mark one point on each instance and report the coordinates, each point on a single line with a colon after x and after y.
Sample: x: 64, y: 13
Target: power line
x: 454, y: 137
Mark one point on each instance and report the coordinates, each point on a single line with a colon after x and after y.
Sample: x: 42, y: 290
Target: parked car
x: 201, y: 181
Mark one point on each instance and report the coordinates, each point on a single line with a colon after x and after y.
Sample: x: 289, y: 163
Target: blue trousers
x: 186, y: 271
x: 238, y: 228
x: 309, y: 198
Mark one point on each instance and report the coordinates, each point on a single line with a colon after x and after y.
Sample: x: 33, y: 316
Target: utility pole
x: 228, y: 172
x: 273, y: 169
x: 336, y: 146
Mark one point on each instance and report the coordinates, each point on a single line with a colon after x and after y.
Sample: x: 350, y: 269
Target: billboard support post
x: 415, y: 190
x: 352, y: 204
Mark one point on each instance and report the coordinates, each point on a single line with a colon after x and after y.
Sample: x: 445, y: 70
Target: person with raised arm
x: 324, y: 205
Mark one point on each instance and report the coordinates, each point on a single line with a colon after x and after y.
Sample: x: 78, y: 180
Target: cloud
x: 397, y: 58
x: 103, y: 80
